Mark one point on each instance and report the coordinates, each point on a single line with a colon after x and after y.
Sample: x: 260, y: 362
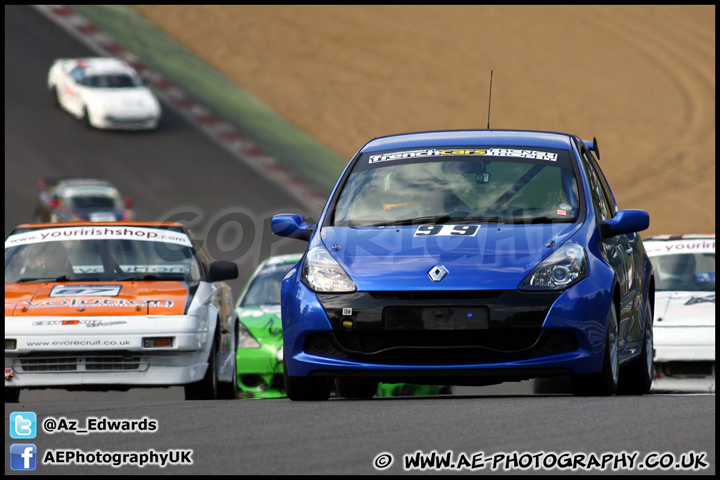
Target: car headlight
x: 245, y: 338
x: 323, y: 274
x: 564, y: 267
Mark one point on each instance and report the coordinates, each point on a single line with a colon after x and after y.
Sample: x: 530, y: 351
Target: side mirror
x: 222, y: 270
x: 128, y: 202
x: 291, y: 225
x: 625, y: 221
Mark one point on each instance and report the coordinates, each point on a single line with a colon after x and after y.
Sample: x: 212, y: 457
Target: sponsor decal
x: 695, y: 300
x: 561, y: 212
x: 488, y: 152
x: 98, y: 233
x: 78, y: 302
x: 102, y: 217
x: 447, y: 230
x: 134, y: 268
x: 85, y: 291
x: 87, y: 323
x: 682, y: 246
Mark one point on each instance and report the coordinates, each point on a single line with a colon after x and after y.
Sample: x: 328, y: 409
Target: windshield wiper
x: 150, y: 276
x: 442, y: 219
x: 61, y: 278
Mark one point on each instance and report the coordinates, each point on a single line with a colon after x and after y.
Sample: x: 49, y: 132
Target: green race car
x: 260, y: 340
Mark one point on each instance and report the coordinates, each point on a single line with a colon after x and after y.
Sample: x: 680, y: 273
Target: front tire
x: 636, y: 378
x: 230, y: 390
x: 305, y: 388
x: 604, y: 383
x: 207, y: 388
x: 86, y: 119
x: 12, y: 395
x: 56, y: 97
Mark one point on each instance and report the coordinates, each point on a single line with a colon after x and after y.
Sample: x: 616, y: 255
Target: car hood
x: 123, y: 100
x: 497, y: 257
x: 96, y: 298
x: 263, y: 322
x: 684, y: 309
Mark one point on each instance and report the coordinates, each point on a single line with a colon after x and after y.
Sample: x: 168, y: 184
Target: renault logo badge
x: 437, y: 273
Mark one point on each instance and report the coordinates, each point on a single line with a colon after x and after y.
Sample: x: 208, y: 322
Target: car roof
x: 103, y: 191
x: 104, y: 65
x: 84, y: 182
x: 519, y: 138
x: 100, y: 224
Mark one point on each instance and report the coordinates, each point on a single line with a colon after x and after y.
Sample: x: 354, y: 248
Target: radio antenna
x: 489, y: 99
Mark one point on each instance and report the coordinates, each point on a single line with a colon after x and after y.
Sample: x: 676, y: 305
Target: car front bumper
x: 527, y: 334
x: 260, y: 371
x: 105, y: 351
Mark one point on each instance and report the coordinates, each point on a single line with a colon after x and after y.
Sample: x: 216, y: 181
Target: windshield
x: 84, y: 258
x: 489, y: 185
x: 94, y: 202
x: 691, y: 272
x: 265, y: 288
x: 111, y: 81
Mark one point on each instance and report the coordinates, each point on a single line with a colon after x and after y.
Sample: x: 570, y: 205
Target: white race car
x: 115, y: 305
x: 684, y: 326
x: 104, y: 93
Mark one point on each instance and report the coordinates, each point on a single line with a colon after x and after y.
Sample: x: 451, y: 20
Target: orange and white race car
x: 110, y: 306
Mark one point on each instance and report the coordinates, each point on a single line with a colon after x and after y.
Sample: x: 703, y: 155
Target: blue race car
x: 469, y: 257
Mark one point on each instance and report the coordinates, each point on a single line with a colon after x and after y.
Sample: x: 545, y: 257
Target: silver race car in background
x: 104, y: 93
x: 684, y: 325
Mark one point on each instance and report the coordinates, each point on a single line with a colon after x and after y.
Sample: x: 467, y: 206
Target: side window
x: 604, y: 206
x: 77, y: 74
x: 603, y: 181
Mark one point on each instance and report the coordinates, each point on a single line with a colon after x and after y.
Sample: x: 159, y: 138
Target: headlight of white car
x: 564, y: 267
x: 323, y: 274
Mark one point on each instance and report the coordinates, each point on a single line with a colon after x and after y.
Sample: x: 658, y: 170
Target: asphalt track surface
x: 180, y: 173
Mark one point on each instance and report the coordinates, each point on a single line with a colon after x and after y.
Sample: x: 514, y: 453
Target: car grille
x: 688, y: 369
x: 422, y: 347
x: 97, y: 363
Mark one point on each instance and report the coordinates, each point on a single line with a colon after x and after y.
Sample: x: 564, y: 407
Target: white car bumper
x: 105, y: 351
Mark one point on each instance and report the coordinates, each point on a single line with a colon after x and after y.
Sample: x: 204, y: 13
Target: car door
x: 70, y: 88
x: 631, y: 329
x: 618, y: 249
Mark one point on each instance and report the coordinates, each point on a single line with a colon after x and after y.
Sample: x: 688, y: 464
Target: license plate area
x: 436, y: 318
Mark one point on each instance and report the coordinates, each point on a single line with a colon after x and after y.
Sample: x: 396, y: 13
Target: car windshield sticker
x: 489, y: 152
x: 680, y: 246
x: 446, y: 230
x: 181, y: 269
x: 98, y: 233
x: 85, y: 291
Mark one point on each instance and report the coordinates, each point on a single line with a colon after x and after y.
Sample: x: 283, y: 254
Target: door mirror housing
x: 625, y: 221
x: 291, y: 225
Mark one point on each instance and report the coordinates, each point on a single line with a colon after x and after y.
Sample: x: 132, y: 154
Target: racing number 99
x: 443, y: 230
